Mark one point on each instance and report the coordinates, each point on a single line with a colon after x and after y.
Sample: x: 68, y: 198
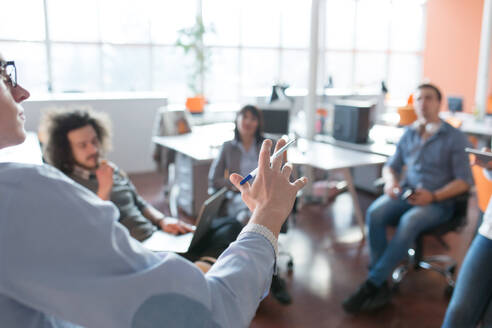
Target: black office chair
x: 443, y: 264
x: 284, y: 253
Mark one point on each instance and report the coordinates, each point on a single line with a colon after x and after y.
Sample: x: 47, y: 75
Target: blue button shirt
x: 433, y: 163
x: 65, y: 261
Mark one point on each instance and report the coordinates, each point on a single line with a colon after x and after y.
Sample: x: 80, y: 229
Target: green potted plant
x: 190, y: 39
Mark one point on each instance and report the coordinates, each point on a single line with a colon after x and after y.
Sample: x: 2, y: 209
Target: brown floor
x: 330, y: 261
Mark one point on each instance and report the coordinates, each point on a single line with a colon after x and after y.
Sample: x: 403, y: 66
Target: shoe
x: 368, y: 297
x: 279, y: 290
x: 382, y: 298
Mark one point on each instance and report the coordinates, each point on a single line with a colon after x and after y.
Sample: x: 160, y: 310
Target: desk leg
x: 355, y: 200
x: 173, y: 200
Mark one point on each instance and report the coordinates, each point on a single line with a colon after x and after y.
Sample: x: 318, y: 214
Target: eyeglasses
x: 9, y: 72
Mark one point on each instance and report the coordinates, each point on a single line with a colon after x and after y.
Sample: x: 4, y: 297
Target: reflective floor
x: 330, y: 261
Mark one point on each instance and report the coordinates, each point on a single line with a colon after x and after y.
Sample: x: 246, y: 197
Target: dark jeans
x: 223, y: 231
x: 410, y: 222
x: 471, y: 301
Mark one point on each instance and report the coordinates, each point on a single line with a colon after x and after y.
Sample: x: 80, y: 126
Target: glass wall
x: 128, y: 45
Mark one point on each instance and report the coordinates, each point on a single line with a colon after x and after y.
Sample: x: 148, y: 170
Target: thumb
x: 236, y: 179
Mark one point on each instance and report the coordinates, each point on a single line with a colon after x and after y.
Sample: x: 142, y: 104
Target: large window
x: 128, y: 45
x: 368, y: 41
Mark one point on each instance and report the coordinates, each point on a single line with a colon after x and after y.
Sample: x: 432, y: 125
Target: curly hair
x: 55, y: 126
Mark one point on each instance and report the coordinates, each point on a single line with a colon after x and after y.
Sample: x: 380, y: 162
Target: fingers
x: 169, y: 228
x: 277, y: 161
x: 287, y: 170
x: 264, y: 160
x: 187, y: 227
x: 177, y: 228
x: 236, y: 180
x: 300, y: 183
x: 183, y: 229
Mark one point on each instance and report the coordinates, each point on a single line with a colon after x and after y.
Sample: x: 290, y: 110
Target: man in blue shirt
x: 430, y: 161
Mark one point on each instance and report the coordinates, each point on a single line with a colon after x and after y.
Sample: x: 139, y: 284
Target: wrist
x: 161, y: 223
x: 104, y: 194
x: 269, y: 218
x: 434, y: 198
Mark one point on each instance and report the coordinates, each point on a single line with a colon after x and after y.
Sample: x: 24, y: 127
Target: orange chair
x: 489, y: 106
x: 483, y: 186
x: 454, y: 122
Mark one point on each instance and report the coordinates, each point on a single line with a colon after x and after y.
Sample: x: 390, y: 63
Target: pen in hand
x: 275, y: 155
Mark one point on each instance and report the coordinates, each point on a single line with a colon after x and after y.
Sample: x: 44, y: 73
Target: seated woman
x: 240, y: 155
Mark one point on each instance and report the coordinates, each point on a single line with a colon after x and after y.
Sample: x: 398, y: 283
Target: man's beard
x: 90, y: 168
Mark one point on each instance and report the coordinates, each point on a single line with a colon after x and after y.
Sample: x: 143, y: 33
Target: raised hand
x: 272, y: 195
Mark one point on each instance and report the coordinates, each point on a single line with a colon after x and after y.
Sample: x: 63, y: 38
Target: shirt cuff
x: 265, y: 232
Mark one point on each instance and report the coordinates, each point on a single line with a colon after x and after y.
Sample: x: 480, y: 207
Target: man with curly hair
x: 76, y: 142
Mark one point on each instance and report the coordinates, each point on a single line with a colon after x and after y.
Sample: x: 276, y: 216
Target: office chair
x: 284, y: 229
x: 442, y: 264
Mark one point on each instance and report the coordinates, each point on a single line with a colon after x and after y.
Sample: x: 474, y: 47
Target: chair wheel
x: 448, y: 291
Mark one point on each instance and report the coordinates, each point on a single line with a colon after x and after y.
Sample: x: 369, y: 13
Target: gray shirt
x: 249, y: 158
x: 229, y: 160
x: 125, y: 197
x: 233, y: 158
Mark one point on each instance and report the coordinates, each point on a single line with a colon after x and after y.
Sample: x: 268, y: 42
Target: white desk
x: 329, y: 157
x: 481, y: 129
x: 197, y: 149
x: 195, y: 152
x: 202, y: 144
x: 28, y: 152
x: 383, y: 140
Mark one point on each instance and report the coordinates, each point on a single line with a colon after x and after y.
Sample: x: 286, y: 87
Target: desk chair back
x: 483, y: 186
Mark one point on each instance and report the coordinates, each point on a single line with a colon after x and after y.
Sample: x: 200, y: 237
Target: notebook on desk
x: 161, y: 241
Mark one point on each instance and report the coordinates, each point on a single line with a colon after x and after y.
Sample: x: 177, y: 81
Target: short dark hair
x: 259, y: 116
x: 433, y: 87
x: 55, y: 126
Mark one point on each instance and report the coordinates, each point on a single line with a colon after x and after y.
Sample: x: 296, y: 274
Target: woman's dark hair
x: 258, y: 115
x: 55, y: 127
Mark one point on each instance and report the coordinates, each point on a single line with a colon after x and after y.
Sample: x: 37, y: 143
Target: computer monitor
x: 275, y: 121
x: 455, y: 104
x: 352, y: 121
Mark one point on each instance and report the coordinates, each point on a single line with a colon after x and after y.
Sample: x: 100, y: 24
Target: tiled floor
x: 330, y: 261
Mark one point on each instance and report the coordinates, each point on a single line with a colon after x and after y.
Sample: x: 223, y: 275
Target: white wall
x: 132, y: 117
